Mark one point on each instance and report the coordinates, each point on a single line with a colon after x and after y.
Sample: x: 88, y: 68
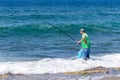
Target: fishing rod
x: 62, y: 31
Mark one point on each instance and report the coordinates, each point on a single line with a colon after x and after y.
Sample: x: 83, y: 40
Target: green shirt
x: 85, y: 41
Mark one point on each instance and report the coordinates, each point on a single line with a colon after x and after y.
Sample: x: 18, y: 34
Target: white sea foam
x: 58, y: 65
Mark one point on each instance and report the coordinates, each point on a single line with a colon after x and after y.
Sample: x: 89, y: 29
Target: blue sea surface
x: 25, y: 33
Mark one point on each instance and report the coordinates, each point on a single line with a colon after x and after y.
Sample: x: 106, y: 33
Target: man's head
x: 82, y: 31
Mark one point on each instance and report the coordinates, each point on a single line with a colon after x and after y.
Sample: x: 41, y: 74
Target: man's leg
x: 88, y: 53
x: 85, y: 54
x: 80, y: 54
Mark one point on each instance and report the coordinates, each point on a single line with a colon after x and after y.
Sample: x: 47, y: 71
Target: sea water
x: 30, y: 45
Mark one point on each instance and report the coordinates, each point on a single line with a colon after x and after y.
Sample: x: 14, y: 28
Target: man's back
x: 87, y: 43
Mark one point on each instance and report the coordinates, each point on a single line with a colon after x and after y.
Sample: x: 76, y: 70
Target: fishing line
x: 62, y: 31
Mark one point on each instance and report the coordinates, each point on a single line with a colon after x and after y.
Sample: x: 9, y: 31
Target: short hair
x: 82, y: 30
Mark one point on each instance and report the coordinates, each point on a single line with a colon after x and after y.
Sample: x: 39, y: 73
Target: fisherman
x: 84, y: 53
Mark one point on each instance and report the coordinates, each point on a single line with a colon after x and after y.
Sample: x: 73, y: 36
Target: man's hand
x: 78, y: 42
x: 85, y: 42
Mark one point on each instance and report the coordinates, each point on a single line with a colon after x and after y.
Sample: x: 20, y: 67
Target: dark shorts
x: 84, y: 53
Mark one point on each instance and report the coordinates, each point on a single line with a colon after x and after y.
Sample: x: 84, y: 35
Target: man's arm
x: 83, y: 38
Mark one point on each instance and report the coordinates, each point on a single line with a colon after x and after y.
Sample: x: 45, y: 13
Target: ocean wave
x: 58, y: 65
x: 36, y: 29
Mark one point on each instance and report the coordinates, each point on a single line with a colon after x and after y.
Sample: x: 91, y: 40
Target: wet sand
x: 98, y: 73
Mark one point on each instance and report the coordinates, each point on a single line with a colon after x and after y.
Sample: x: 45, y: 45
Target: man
x: 85, y: 43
